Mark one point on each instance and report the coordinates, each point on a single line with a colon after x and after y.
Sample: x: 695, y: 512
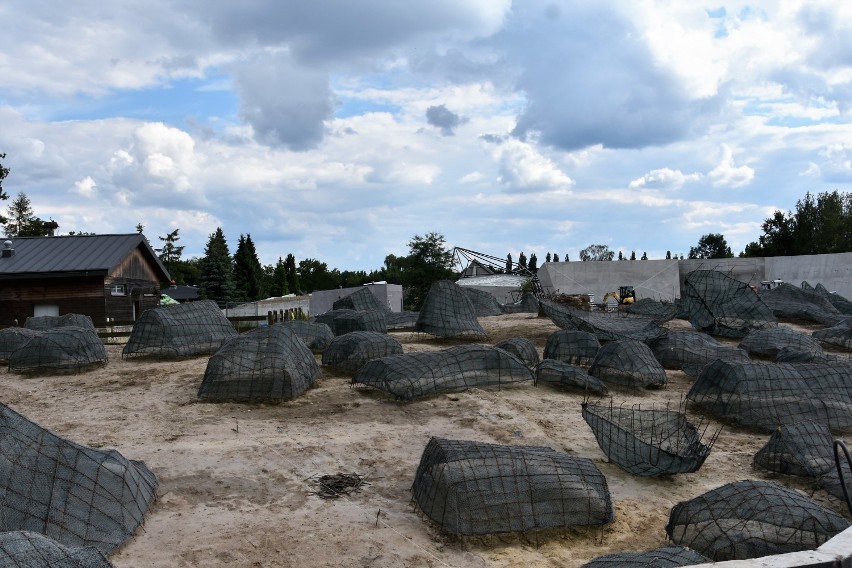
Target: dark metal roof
x: 77, y: 254
x: 180, y: 293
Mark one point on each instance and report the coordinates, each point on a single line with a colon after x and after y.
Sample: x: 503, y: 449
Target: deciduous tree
x: 711, y: 245
x: 595, y: 252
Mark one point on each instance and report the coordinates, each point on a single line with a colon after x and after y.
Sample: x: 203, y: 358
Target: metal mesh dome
x: 572, y: 346
x: 690, y: 351
x: 566, y: 375
x: 64, y: 349
x: 350, y: 351
x: 48, y: 322
x: 26, y: 549
x: 839, y: 335
x: 720, y: 305
x: 604, y: 325
x: 76, y: 495
x: 267, y: 364
x: 790, y: 302
x: 781, y: 341
x: 484, y: 304
x: 628, y: 363
x: 768, y: 395
x: 362, y: 300
x: 412, y: 375
x: 648, y: 442
x: 315, y: 335
x: 804, y: 449
x: 12, y: 338
x: 665, y: 557
x: 749, y: 519
x: 840, y: 303
x: 447, y: 312
x: 344, y: 321
x: 474, y: 488
x: 657, y: 310
x: 522, y: 348
x: 528, y: 304
x: 184, y: 330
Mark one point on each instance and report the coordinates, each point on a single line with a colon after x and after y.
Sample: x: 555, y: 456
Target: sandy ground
x: 236, y: 481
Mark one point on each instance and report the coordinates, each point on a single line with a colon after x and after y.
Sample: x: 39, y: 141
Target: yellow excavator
x: 625, y: 295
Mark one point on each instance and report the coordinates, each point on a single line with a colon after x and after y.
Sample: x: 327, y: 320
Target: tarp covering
x: 791, y: 302
x: 522, y: 348
x: 65, y: 349
x: 648, y: 442
x: 474, y: 488
x: 66, y: 320
x: 572, y: 346
x: 690, y: 351
x: 768, y: 395
x: 413, y: 375
x: 749, y: 519
x: 839, y: 335
x: 484, y: 304
x: 12, y: 338
x: 26, y: 549
x: 720, y: 305
x: 804, y: 449
x: 267, y: 364
x: 350, y: 351
x: 343, y: 321
x: 666, y: 557
x: 566, y: 375
x: 447, y: 312
x: 76, y: 495
x: 192, y: 328
x: 781, y: 342
x: 628, y: 363
x: 605, y: 326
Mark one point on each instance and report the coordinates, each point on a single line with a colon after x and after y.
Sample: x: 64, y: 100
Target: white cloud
x: 663, y: 178
x: 523, y: 169
x: 728, y: 174
x: 86, y: 187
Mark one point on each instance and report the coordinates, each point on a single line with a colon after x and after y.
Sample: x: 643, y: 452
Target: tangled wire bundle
x: 338, y: 485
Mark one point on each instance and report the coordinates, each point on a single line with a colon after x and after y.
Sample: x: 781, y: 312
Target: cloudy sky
x: 338, y: 129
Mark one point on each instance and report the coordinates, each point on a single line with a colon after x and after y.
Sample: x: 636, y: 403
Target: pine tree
x: 556, y: 257
x: 279, y: 279
x: 170, y: 253
x: 217, y: 270
x: 547, y: 257
x: 509, y: 263
x: 633, y: 255
x: 248, y: 272
x: 522, y: 260
x: 292, y: 274
x: 533, y: 263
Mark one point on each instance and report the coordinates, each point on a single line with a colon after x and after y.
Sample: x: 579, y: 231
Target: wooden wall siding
x: 79, y: 295
x: 135, y: 267
x: 144, y: 293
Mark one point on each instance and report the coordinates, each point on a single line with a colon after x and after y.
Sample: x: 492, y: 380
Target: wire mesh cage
x: 76, y: 495
x: 781, y: 341
x: 568, y: 376
x: 838, y: 480
x: 527, y: 304
x: 475, y: 488
x: 657, y: 310
x: 343, y: 321
x: 720, y: 305
x: 791, y: 302
x: 64, y: 349
x: 48, y: 322
x: 749, y: 519
x: 628, y: 363
x: 603, y: 325
x: 315, y: 335
x: 184, y: 330
x: 690, y: 351
x: 841, y: 304
x: 665, y: 557
x: 11, y: 338
x: 413, y: 375
x: 650, y: 442
x: 767, y: 395
x: 522, y: 348
x: 484, y: 304
x: 267, y: 364
x: 803, y: 449
x: 839, y: 335
x: 572, y: 346
x: 350, y: 351
x: 447, y: 312
x: 27, y: 549
x: 362, y: 300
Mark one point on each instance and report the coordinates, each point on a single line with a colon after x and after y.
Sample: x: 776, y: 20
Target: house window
x: 118, y: 290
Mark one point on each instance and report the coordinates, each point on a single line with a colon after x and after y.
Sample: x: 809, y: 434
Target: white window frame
x: 118, y: 290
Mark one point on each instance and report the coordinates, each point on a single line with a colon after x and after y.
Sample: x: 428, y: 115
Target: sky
x: 339, y: 129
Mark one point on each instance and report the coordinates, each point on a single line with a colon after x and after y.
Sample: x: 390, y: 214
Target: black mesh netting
x: 604, y: 325
x: 65, y: 349
x: 11, y: 338
x: 344, y: 321
x: 832, y: 481
x: 791, y: 302
x: 572, y: 346
x: 803, y: 449
x: 401, y: 320
x: 267, y: 364
x: 768, y: 395
x: 839, y: 335
x: 522, y: 348
x: 362, y: 300
x: 720, y: 305
x: 628, y: 363
x: 648, y: 441
x: 749, y: 519
x: 781, y: 342
x: 412, y: 375
x: 184, y: 330
x: 690, y: 351
x: 484, y: 304
x: 566, y: 375
x: 315, y: 335
x: 657, y: 310
x: 447, y: 312
x: 840, y: 303
x: 474, y: 488
x: 26, y: 549
x: 76, y: 495
x: 665, y: 557
x: 527, y: 304
x: 48, y: 322
x: 350, y: 351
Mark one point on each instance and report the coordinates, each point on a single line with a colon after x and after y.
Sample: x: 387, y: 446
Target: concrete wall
x: 263, y: 307
x: 663, y: 279
x: 389, y: 295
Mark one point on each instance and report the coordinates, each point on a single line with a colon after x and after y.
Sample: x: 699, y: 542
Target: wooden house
x: 107, y: 277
